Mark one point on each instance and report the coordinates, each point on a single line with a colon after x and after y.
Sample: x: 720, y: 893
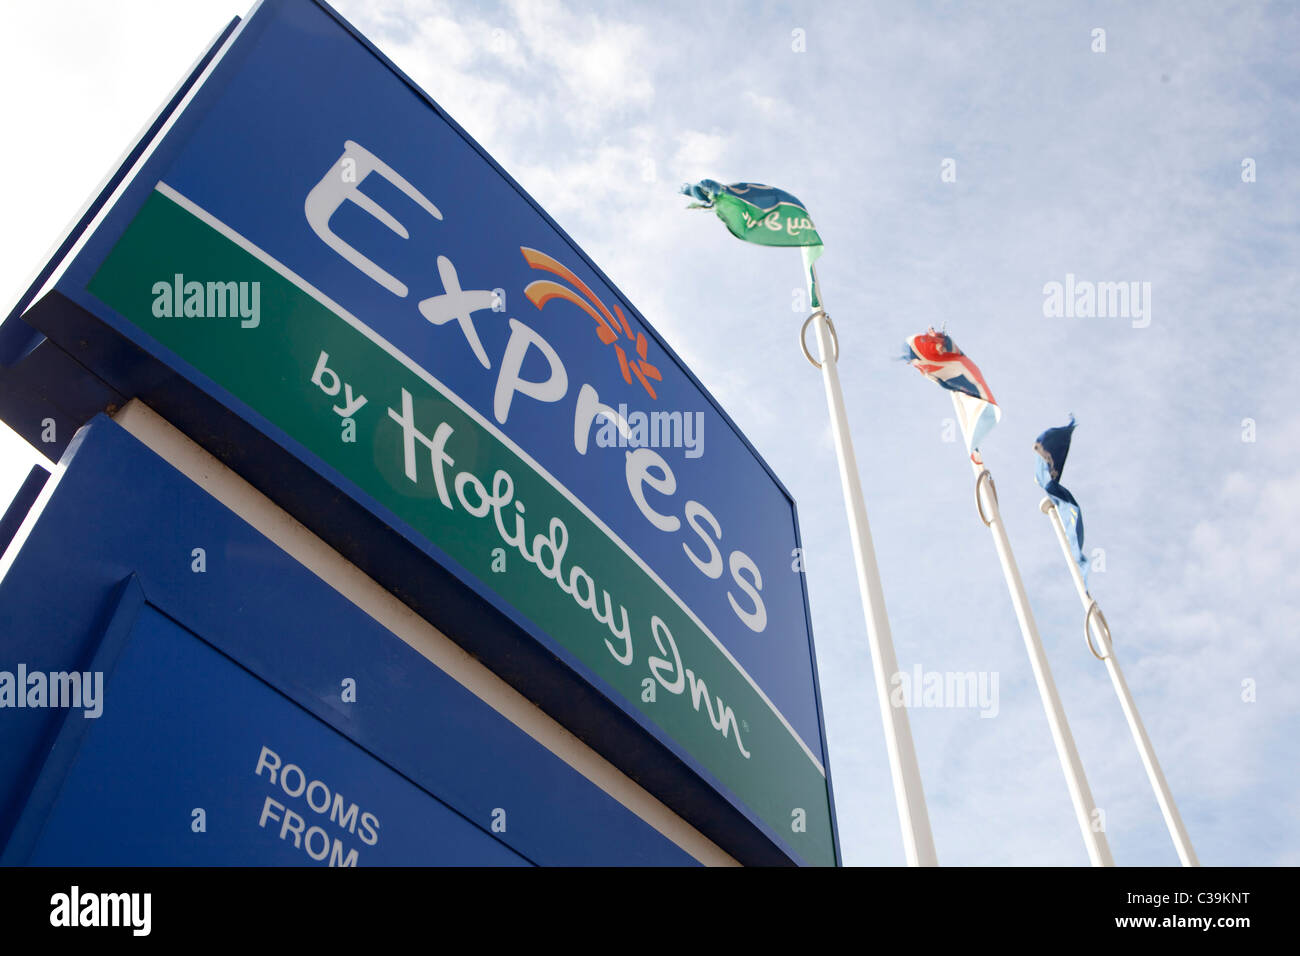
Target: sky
x: 957, y: 159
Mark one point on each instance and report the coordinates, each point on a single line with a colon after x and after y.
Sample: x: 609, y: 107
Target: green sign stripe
x: 566, y: 571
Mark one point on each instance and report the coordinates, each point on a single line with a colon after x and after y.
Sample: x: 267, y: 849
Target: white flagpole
x: 1080, y: 795
x: 914, y: 819
x: 1169, y: 809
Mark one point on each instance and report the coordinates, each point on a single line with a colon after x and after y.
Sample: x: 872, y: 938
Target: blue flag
x: 1052, y: 447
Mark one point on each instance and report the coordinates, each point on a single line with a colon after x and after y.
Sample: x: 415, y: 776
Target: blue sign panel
x: 314, y: 250
x: 268, y: 781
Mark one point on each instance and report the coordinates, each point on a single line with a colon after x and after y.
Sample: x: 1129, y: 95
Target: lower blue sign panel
x: 246, y: 713
x: 267, y: 781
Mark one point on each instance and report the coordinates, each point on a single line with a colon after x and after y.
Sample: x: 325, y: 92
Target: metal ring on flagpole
x: 1102, y: 628
x: 835, y: 339
x: 979, y: 502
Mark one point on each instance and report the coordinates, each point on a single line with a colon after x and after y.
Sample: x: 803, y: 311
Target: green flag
x: 764, y: 215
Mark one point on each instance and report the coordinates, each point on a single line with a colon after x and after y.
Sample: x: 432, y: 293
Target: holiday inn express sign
x: 314, y: 249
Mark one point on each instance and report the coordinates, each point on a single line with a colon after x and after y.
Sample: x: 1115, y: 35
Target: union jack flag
x: 935, y: 356
x: 938, y: 359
